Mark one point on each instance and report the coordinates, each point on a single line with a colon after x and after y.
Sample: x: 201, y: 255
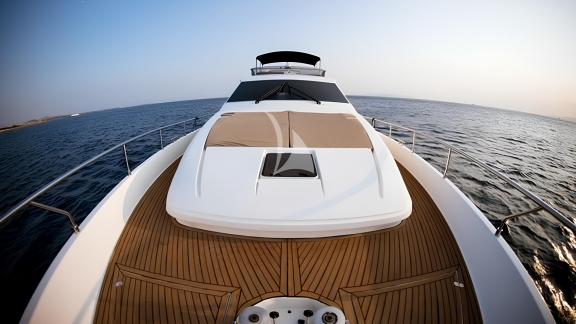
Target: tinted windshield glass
x: 255, y: 90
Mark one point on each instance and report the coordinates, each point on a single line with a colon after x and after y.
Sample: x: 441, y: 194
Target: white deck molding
x: 505, y: 291
x: 358, y: 187
x: 69, y: 290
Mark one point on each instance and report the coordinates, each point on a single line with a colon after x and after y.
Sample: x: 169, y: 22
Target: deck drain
x: 329, y: 318
x: 254, y: 318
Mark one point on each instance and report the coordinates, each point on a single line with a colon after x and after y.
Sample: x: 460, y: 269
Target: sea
x: 535, y: 151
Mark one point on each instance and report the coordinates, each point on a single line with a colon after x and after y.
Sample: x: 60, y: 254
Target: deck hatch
x: 289, y: 165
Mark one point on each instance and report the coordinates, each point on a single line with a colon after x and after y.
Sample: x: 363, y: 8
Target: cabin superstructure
x: 288, y: 57
x: 291, y: 158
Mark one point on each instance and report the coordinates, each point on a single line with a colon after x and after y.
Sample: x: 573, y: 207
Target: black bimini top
x: 288, y: 56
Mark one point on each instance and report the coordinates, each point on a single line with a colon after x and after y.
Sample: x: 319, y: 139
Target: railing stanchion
x: 373, y: 122
x: 413, y: 141
x: 161, y: 140
x: 126, y: 158
x: 447, y: 162
x: 195, y: 123
x: 504, y: 222
x: 389, y: 130
x: 71, y: 219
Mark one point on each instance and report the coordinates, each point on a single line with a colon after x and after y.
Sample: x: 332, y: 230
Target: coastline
x: 30, y: 123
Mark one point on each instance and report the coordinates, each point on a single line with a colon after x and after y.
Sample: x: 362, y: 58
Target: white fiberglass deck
x: 220, y: 186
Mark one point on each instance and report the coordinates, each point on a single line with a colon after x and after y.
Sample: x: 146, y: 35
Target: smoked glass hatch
x: 289, y: 165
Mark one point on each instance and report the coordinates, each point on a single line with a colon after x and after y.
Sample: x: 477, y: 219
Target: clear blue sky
x: 61, y: 57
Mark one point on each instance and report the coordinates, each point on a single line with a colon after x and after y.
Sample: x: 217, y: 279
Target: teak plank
x: 164, y: 272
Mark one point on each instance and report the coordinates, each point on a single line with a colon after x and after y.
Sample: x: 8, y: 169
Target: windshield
x: 256, y: 90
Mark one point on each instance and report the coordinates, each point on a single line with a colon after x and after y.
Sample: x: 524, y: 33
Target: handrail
x: 452, y: 149
x: 68, y: 215
x: 27, y: 201
x: 504, y: 222
x: 287, y: 70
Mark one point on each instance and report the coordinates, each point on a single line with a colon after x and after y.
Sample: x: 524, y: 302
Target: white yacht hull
x: 68, y: 292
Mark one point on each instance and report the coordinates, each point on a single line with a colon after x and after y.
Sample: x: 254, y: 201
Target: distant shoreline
x: 30, y: 123
x: 568, y: 119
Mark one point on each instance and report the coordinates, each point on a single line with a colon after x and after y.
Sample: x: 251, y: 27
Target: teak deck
x: 164, y: 272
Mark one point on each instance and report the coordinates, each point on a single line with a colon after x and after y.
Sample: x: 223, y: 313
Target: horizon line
x: 555, y: 117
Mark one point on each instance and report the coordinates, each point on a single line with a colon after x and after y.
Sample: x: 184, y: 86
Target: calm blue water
x: 538, y: 152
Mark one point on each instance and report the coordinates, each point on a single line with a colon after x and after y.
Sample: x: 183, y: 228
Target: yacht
x: 286, y: 206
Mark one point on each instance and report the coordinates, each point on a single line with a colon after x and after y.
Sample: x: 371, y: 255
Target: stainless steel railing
x: 542, y: 205
x: 287, y: 70
x: 30, y: 200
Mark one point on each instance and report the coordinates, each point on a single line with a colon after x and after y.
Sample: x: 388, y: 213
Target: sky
x: 63, y: 57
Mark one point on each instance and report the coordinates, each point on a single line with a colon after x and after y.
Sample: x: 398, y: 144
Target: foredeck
x: 164, y: 272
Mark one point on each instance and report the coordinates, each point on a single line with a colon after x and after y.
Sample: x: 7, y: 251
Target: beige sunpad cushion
x: 253, y: 129
x: 327, y: 130
x: 288, y: 129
